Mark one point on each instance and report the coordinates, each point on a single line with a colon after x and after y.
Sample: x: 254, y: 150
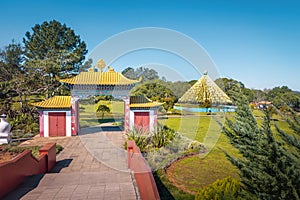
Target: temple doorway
x: 99, y: 110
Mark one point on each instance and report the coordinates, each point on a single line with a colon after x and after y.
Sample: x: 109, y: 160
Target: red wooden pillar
x: 155, y: 119
x: 74, y: 116
x: 126, y: 114
x: 41, y: 119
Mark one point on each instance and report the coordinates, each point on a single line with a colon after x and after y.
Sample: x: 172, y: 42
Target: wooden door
x: 142, y: 120
x: 57, y: 124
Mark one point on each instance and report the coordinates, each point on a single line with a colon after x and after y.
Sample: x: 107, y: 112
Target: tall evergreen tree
x: 12, y: 77
x: 129, y: 73
x: 15, y: 89
x: 11, y: 58
x: 267, y: 169
x: 53, y: 51
x: 144, y: 73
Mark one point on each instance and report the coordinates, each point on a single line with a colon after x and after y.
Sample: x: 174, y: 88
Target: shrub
x: 58, y: 148
x: 146, y: 141
x: 24, y: 125
x: 141, y: 139
x: 176, y: 149
x: 162, y: 136
x: 225, y: 189
x: 17, y: 149
x: 13, y: 148
x: 103, y: 98
x: 195, y: 146
x: 87, y: 101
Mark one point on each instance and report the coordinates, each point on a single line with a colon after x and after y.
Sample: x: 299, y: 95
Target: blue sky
x: 256, y: 42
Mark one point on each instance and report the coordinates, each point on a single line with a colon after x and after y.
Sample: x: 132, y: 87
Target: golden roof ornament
x: 100, y: 65
x: 92, y: 69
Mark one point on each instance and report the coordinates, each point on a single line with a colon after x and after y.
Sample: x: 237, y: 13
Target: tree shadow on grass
x: 167, y: 190
x: 106, y: 120
x: 99, y: 120
x: 96, y: 129
x: 163, y: 191
x: 88, y: 122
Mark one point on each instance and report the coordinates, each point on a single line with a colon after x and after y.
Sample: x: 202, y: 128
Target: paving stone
x: 91, y: 166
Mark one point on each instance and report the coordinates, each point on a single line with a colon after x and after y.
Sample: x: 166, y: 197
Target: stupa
x: 205, y: 91
x: 5, y: 134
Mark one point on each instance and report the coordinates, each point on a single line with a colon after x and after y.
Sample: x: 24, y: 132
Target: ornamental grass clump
x: 147, y: 141
x: 179, y: 147
x: 162, y: 136
x: 164, y: 146
x: 140, y: 137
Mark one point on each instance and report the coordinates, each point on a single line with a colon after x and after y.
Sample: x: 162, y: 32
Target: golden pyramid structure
x: 205, y: 91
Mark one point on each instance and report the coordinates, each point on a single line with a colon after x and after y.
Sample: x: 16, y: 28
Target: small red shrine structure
x: 143, y: 113
x: 58, y: 116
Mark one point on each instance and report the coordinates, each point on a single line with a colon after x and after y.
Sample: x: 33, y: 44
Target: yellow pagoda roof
x: 142, y: 102
x: 145, y: 105
x: 55, y: 102
x: 99, y: 78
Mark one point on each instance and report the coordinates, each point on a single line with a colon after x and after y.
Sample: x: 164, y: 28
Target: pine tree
x: 267, y: 169
x: 53, y: 51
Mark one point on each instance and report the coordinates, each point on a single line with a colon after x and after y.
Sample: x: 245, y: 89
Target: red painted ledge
x: 13, y: 172
x: 142, y: 172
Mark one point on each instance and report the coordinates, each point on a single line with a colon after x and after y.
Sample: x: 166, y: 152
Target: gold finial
x: 92, y: 69
x: 101, y: 65
x: 205, y: 72
x: 110, y: 69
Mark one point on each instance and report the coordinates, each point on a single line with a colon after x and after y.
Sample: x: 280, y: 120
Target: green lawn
x: 89, y: 117
x: 193, y: 173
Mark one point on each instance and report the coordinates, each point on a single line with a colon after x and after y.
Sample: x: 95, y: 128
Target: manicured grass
x: 204, y: 129
x: 166, y: 190
x: 193, y: 173
x: 193, y: 127
x: 89, y: 117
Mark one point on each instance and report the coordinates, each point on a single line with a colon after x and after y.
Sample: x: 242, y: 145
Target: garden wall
x: 13, y: 172
x: 142, y: 172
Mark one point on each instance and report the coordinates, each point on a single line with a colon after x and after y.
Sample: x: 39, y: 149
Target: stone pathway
x: 107, y: 148
x: 40, y: 141
x: 91, y: 166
